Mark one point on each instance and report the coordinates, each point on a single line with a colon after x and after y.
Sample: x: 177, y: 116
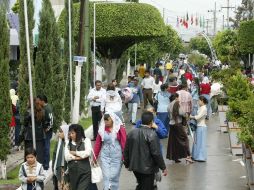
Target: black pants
x: 96, y: 117
x: 145, y: 181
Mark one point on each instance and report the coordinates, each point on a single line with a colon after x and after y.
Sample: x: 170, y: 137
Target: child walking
x: 31, y: 172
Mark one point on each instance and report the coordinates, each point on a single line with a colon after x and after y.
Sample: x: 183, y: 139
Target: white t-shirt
x: 157, y: 87
x: 147, y: 83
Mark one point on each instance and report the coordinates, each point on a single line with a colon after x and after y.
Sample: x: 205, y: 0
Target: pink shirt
x: 121, y: 137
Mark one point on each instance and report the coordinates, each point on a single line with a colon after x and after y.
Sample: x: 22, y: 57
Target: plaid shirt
x: 185, y: 100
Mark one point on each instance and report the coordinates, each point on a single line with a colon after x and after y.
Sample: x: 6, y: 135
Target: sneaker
x: 133, y: 123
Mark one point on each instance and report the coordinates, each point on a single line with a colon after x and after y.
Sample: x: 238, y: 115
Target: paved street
x: 222, y: 171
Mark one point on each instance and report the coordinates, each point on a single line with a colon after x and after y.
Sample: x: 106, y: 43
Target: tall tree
x: 23, y: 70
x: 199, y: 43
x: 244, y: 12
x: 119, y: 26
x: 48, y: 59
x: 5, y: 101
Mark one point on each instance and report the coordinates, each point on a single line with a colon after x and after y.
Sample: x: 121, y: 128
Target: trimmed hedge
x: 131, y: 21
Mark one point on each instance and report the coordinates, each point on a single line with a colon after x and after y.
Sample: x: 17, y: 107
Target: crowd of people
x: 171, y: 100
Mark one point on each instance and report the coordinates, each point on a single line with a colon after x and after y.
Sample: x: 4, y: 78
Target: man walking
x: 147, y: 87
x: 95, y: 96
x: 142, y: 153
x: 43, y: 100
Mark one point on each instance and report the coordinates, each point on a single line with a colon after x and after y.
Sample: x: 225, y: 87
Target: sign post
x: 75, y: 112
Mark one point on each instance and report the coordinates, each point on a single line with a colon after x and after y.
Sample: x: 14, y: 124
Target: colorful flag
x: 191, y: 19
x: 187, y: 17
x: 181, y: 20
x: 196, y: 20
x: 177, y: 22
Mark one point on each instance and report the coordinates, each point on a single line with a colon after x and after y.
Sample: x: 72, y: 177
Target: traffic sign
x: 79, y: 59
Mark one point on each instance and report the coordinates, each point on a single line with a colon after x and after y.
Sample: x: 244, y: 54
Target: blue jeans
x: 47, y: 150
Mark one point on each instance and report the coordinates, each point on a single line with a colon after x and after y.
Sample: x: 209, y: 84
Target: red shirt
x: 188, y: 75
x: 205, y: 88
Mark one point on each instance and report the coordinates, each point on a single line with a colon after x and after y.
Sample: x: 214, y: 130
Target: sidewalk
x: 222, y: 171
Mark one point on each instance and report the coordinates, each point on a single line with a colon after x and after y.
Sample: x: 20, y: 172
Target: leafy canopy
x: 246, y: 37
x: 118, y: 26
x: 199, y: 43
x: 225, y: 43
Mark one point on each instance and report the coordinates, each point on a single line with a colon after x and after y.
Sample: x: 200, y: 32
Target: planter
x: 249, y: 165
x: 235, y: 145
x: 222, y: 116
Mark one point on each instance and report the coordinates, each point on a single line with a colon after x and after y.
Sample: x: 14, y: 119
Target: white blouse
x: 201, y: 115
x: 82, y: 154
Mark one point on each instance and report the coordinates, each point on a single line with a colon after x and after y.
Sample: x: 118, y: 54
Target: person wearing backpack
x: 31, y: 172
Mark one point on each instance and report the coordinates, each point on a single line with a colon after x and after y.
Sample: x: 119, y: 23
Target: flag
x: 203, y: 22
x: 186, y: 24
x: 200, y: 22
x: 196, y: 20
x: 191, y: 19
x: 177, y: 22
x: 187, y: 17
x: 183, y: 21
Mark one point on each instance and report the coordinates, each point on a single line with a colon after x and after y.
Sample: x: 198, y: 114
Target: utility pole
x: 75, y: 114
x: 214, y: 18
x: 207, y: 21
x: 223, y: 19
x: 163, y: 14
x: 227, y: 7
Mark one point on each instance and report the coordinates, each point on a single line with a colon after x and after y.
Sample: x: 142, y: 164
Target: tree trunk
x: 3, y: 169
x: 110, y: 66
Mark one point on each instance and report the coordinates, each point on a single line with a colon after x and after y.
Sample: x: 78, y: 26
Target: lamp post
x: 70, y: 57
x: 29, y: 73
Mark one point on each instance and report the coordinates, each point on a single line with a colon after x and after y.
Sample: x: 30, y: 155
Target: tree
x: 225, y: 44
x: 197, y: 59
x: 245, y: 37
x: 199, y: 43
x: 118, y: 27
x: 23, y: 70
x: 48, y: 59
x: 243, y: 13
x: 5, y: 101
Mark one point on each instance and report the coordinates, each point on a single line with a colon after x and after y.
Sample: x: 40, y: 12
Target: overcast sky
x: 174, y: 8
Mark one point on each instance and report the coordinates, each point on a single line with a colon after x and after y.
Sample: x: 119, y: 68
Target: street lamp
x: 29, y: 73
x: 94, y: 32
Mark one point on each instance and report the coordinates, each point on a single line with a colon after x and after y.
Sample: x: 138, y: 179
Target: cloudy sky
x: 174, y: 8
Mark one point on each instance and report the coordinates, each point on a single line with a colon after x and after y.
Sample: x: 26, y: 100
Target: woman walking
x: 112, y: 101
x: 199, y: 146
x: 178, y: 142
x: 77, y: 153
x: 110, y: 143
x: 59, y: 165
x: 162, y: 98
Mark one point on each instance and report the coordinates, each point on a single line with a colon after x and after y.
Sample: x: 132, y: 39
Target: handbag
x: 96, y: 172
